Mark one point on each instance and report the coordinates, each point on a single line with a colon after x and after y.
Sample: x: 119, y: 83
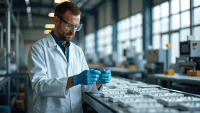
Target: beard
x: 65, y: 36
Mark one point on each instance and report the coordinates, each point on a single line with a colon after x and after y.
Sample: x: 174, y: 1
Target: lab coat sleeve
x: 41, y: 84
x: 89, y: 88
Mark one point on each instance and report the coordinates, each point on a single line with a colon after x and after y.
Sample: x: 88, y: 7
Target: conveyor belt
x: 101, y: 104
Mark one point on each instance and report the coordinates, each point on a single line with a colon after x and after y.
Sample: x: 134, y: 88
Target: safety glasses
x: 69, y: 26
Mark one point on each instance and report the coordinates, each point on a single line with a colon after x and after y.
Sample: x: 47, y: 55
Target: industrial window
x: 89, y: 44
x: 172, y: 23
x: 196, y: 25
x: 123, y: 38
x: 104, y: 40
x: 129, y: 35
x: 136, y: 34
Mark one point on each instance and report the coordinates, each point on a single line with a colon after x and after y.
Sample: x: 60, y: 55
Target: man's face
x: 64, y: 33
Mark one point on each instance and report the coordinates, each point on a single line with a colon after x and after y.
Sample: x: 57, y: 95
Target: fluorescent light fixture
x: 29, y: 9
x: 49, y: 26
x: 27, y: 2
x: 47, y: 31
x: 51, y: 14
x: 58, y: 1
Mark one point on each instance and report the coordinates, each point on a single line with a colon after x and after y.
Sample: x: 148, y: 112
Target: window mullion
x: 191, y: 17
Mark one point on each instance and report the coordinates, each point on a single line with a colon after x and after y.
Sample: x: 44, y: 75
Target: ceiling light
x: 47, y: 31
x: 49, y: 26
x: 51, y: 14
x: 27, y: 2
x: 58, y: 1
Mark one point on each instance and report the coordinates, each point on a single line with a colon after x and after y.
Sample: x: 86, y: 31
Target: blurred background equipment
x: 190, y: 51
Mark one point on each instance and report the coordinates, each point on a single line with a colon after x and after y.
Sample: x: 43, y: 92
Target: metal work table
x: 7, y: 92
x: 4, y: 81
x: 101, y: 104
x: 26, y: 85
x: 116, y: 70
x: 177, y: 78
x: 97, y: 103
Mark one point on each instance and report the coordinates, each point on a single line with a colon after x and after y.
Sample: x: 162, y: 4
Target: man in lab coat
x: 57, y: 68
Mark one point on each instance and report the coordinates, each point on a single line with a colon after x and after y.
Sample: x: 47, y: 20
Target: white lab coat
x: 49, y: 70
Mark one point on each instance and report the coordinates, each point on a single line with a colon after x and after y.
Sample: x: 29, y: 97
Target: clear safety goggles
x: 69, y: 26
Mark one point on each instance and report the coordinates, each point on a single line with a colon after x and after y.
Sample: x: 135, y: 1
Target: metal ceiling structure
x: 41, y: 8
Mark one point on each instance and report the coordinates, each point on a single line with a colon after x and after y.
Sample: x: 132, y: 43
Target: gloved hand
x: 86, y: 77
x: 104, y: 77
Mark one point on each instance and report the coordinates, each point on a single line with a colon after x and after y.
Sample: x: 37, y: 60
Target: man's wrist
x: 97, y: 84
x: 70, y: 82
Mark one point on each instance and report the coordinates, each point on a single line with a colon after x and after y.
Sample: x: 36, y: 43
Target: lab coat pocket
x: 78, y: 69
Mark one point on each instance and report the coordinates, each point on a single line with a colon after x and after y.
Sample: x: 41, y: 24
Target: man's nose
x: 73, y: 30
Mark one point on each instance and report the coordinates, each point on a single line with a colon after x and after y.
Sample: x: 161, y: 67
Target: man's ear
x: 56, y: 20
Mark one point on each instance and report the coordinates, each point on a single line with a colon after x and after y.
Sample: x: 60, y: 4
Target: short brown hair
x: 63, y: 7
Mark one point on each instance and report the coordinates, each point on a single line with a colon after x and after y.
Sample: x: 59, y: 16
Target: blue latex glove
x: 86, y: 77
x: 104, y: 77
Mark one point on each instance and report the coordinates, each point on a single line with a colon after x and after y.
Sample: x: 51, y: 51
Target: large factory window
x: 184, y: 33
x: 197, y: 19
x: 105, y: 40
x: 165, y: 41
x: 136, y: 34
x: 123, y: 32
x: 197, y: 33
x: 130, y: 35
x: 171, y: 23
x: 89, y: 44
x: 156, y: 41
x: 175, y: 46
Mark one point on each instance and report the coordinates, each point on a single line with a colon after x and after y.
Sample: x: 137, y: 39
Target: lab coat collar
x: 52, y: 42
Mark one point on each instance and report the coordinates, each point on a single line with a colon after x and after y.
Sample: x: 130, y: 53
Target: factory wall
x: 137, y: 6
x: 90, y: 24
x: 157, y: 2
x: 101, y: 16
x: 33, y: 34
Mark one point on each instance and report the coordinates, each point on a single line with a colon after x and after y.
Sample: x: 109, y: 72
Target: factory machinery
x: 128, y: 96
x: 158, y: 60
x: 190, y: 50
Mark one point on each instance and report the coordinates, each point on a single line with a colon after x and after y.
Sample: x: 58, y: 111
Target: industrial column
x: 147, y: 22
x: 8, y: 31
x: 17, y: 43
x: 1, y: 27
x: 115, y: 20
x: 95, y: 29
x: 84, y: 33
